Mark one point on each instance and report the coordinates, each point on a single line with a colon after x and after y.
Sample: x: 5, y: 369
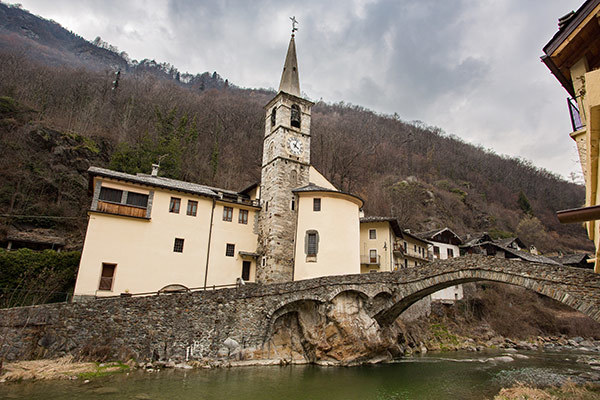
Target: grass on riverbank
x: 61, y: 368
x: 567, y: 391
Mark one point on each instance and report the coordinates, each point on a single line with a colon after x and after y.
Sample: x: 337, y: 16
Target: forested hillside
x: 57, y: 118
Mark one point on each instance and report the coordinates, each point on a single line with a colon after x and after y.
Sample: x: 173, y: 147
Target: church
x: 147, y: 233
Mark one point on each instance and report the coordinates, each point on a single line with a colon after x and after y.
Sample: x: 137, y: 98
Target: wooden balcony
x: 121, y: 209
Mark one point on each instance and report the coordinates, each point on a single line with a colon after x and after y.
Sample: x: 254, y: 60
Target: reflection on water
x: 449, y: 376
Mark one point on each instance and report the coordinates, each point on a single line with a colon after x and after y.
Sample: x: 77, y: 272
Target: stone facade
x: 282, y: 171
x: 331, y: 319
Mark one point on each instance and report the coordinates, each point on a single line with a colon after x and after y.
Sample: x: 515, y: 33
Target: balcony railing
x: 121, y: 209
x: 369, y: 260
x: 576, y: 122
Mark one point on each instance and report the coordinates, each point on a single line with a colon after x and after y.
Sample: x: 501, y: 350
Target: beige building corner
x: 573, y: 58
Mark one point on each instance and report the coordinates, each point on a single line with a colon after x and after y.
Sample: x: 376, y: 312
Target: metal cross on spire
x: 294, y: 23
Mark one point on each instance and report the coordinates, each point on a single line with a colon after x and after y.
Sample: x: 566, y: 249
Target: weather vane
x: 294, y: 23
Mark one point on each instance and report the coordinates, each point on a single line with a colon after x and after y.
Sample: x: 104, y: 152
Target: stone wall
x: 338, y: 319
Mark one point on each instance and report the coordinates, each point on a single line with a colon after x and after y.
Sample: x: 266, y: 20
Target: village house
x: 147, y: 232
x: 444, y: 244
x: 502, y: 248
x: 384, y: 246
x: 573, y: 58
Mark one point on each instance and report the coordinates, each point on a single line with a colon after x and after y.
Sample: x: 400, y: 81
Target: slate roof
x: 507, y: 241
x: 429, y: 235
x: 161, y: 182
x: 311, y: 187
x: 570, y: 259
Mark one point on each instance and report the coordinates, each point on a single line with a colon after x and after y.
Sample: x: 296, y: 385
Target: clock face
x: 295, y: 146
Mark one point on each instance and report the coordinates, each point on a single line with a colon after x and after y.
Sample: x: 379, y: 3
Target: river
x: 456, y: 375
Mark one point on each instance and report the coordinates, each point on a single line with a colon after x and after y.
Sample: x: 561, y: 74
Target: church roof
x: 290, y: 82
x: 311, y: 187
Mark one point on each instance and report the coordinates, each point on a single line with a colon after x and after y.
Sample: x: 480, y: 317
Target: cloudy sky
x: 470, y: 67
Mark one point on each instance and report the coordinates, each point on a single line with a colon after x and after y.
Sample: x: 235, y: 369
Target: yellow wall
x: 224, y: 270
x: 383, y: 244
x: 339, y: 238
x: 143, y: 249
x: 318, y: 179
x: 592, y: 109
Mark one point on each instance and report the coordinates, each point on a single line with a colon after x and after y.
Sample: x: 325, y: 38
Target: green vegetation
x: 173, y: 136
x: 105, y: 369
x: 446, y: 340
x: 8, y: 105
x: 524, y: 204
x: 500, y: 234
x: 33, y: 277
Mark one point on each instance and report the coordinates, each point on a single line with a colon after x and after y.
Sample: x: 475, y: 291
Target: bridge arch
x: 409, y: 293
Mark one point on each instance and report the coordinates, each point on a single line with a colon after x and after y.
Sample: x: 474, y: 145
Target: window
x: 405, y: 263
x: 415, y: 246
x: 106, y: 277
x: 293, y: 178
x: 230, y: 250
x: 112, y: 195
x: 436, y: 251
x: 293, y: 204
x: 243, y: 218
x: 192, y: 208
x: 450, y: 253
x: 273, y: 116
x: 295, y: 116
x: 227, y: 214
x: 175, y: 204
x: 137, y: 199
x: 316, y: 204
x: 178, y: 246
x: 405, y: 246
x: 312, y: 243
x: 372, y: 233
x: 373, y: 256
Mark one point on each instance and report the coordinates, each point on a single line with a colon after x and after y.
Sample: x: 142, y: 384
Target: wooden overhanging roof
x: 578, y: 36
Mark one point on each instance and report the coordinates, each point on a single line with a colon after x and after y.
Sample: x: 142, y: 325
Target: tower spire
x: 290, y: 83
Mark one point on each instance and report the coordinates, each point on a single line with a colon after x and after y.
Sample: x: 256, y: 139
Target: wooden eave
x: 581, y: 37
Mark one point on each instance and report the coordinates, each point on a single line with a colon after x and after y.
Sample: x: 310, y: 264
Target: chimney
x: 155, y: 168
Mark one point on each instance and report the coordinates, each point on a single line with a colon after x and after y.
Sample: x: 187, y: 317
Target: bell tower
x: 285, y: 166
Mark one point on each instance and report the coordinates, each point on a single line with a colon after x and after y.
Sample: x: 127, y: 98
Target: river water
x: 455, y: 375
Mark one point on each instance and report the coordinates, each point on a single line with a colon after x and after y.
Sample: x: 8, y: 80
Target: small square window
x: 372, y: 233
x: 192, y: 208
x: 227, y: 214
x: 175, y: 205
x: 230, y: 250
x: 178, y: 246
x: 243, y: 217
x: 317, y: 204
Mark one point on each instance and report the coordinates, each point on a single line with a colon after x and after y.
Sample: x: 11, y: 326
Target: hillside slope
x: 211, y: 132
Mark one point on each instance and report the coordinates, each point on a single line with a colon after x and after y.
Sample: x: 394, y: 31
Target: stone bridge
x: 347, y: 318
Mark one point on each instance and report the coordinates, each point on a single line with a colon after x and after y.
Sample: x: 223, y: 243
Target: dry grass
x: 61, y: 368
x: 567, y: 391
